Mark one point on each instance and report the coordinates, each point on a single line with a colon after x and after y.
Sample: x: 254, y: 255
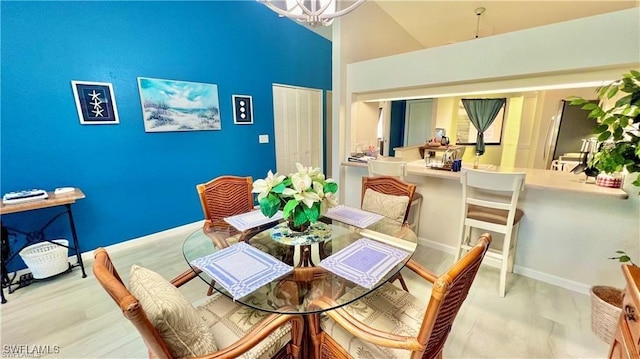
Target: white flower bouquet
x: 302, y: 196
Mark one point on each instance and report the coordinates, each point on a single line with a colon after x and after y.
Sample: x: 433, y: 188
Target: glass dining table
x: 309, y: 279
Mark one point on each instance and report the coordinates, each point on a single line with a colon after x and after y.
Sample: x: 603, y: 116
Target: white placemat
x: 353, y: 216
x: 241, y: 268
x: 252, y: 219
x: 364, y: 262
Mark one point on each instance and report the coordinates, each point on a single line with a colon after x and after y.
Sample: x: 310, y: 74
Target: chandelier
x: 311, y: 12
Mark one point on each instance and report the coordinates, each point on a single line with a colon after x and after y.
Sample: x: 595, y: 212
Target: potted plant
x: 618, y: 127
x: 302, y: 196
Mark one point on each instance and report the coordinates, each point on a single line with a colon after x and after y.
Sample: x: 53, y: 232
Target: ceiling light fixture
x: 311, y: 12
x: 479, y: 11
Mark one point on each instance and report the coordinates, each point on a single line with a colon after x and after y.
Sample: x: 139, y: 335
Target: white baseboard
x: 189, y: 227
x: 552, y: 279
x: 436, y: 245
x: 88, y: 255
x: 523, y: 271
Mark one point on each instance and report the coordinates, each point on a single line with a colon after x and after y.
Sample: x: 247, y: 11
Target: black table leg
x: 3, y: 281
x: 75, y: 240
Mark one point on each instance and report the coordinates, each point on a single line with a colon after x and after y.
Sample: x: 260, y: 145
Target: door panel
x: 298, y: 127
x: 418, y: 122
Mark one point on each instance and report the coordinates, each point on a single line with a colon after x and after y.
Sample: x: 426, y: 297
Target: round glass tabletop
x: 308, y: 279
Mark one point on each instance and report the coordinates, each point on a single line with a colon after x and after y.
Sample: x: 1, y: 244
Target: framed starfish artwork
x: 95, y: 102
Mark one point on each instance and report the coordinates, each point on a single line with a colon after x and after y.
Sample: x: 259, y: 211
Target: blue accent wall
x: 139, y: 183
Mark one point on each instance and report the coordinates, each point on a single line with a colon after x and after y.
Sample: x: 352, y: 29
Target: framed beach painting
x: 169, y: 105
x: 95, y: 102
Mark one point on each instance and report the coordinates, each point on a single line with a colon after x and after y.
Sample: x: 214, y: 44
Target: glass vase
x: 301, y: 228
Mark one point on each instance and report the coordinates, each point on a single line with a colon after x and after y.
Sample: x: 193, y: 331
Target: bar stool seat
x: 492, y: 215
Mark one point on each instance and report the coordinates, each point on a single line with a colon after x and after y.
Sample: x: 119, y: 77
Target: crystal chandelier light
x: 311, y: 12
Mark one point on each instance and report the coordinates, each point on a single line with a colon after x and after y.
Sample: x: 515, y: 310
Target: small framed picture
x: 242, y: 110
x: 95, y: 102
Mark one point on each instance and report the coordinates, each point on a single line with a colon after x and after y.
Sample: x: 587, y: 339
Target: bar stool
x: 489, y: 201
x: 392, y: 167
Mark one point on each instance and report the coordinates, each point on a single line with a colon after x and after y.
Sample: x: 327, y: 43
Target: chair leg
x: 210, y: 290
x: 464, y: 239
x: 297, y: 333
x: 504, y: 265
x: 512, y: 256
x: 315, y: 333
x: 414, y: 212
x: 402, y: 282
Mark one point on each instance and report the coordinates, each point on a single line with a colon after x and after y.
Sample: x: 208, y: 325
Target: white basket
x: 46, y: 259
x: 605, y: 314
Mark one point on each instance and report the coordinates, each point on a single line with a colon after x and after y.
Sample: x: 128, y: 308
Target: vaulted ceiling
x: 437, y: 23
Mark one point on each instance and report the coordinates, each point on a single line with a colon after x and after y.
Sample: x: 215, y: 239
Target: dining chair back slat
x: 225, y: 196
x: 387, y: 168
x: 448, y: 294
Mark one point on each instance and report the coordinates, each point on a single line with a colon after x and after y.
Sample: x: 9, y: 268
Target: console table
x: 54, y: 200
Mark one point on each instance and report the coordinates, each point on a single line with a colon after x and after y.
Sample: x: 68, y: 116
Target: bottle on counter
x: 476, y: 161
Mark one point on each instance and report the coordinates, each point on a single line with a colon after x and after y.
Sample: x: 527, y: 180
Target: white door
x: 298, y: 127
x: 417, y: 125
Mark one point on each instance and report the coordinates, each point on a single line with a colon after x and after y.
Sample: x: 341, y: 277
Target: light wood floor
x: 534, y: 320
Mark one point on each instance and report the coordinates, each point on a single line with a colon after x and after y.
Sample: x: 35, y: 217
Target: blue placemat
x: 364, y: 262
x: 353, y: 216
x: 252, y: 219
x: 241, y: 268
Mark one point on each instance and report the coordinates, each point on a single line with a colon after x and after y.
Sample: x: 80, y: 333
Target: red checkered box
x: 609, y: 181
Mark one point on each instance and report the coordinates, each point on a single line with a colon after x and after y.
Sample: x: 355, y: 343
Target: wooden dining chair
x: 391, y: 197
x: 219, y: 328
x: 388, y: 167
x: 391, y: 323
x: 225, y: 196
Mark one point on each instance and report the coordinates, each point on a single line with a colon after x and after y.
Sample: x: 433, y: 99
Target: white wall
x: 370, y: 34
x: 535, y: 58
x: 584, y: 44
x: 366, y: 123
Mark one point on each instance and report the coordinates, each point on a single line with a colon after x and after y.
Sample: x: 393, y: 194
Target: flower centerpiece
x: 302, y: 196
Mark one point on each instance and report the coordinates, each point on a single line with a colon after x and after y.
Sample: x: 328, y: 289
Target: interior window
x: 467, y: 133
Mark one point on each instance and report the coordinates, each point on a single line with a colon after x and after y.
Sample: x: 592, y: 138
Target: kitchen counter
x: 535, y: 178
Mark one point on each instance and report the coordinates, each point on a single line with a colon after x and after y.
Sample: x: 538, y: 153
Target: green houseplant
x: 618, y: 125
x: 618, y: 150
x: 302, y: 196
